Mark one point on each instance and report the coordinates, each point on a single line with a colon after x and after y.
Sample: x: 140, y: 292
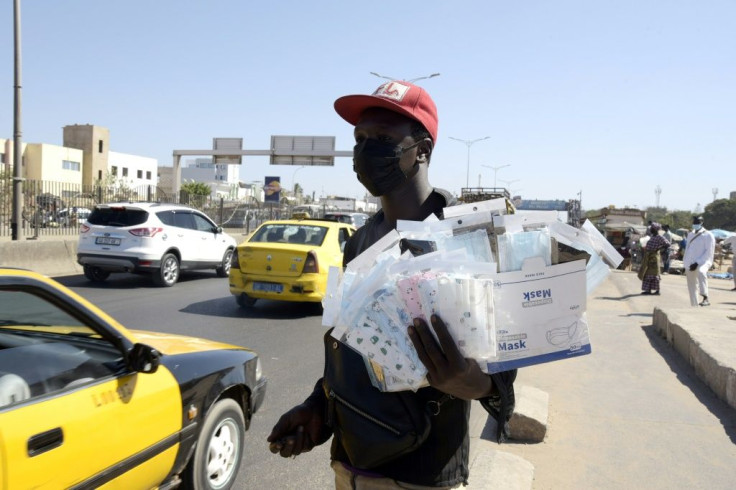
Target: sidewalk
x: 653, y: 407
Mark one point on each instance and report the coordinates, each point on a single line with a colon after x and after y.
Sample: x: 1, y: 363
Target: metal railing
x: 57, y: 208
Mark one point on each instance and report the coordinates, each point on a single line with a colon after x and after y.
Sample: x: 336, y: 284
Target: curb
x: 698, y: 346
x: 489, y: 466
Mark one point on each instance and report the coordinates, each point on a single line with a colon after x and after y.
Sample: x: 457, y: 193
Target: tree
x: 721, y: 214
x: 195, y: 193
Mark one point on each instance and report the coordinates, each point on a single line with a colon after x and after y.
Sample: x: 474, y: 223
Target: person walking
x: 650, y: 269
x: 395, y: 135
x: 699, y: 252
x: 666, y: 252
x: 731, y: 243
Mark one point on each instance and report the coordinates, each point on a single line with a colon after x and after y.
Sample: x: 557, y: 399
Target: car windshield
x: 290, y: 233
x: 45, y: 349
x: 22, y: 309
x: 117, y: 216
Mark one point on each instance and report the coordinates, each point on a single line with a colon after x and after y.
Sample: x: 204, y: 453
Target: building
x: 84, y: 160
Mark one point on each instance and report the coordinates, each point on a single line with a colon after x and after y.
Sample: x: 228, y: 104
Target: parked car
x: 287, y: 260
x: 151, y: 238
x: 87, y: 403
x: 355, y: 219
x: 72, y: 216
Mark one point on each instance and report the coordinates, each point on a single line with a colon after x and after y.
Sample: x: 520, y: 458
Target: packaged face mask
x: 515, y: 248
x: 492, y: 206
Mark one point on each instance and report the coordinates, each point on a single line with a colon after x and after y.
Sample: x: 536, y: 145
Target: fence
x: 57, y: 208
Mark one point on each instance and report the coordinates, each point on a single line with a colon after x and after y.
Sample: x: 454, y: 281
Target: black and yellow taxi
x: 87, y: 403
x: 287, y: 260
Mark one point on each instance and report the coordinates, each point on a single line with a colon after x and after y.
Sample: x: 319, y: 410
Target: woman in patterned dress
x: 651, y: 264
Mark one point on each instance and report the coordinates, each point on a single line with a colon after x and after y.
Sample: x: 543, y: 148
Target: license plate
x: 268, y: 287
x: 106, y: 240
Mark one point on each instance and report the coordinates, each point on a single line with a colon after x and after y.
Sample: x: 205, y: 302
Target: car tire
x: 224, y: 269
x: 95, y: 274
x: 168, y: 273
x: 219, y: 450
x: 245, y: 301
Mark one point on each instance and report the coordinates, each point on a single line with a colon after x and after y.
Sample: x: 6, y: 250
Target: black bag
x: 373, y: 427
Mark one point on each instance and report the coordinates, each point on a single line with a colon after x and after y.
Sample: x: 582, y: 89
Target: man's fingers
x: 427, y: 348
x: 452, y: 353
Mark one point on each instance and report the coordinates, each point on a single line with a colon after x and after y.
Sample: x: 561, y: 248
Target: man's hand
x: 447, y: 370
x: 298, y: 431
x: 693, y: 266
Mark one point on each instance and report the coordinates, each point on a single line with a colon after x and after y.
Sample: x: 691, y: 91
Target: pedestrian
x: 650, y: 269
x: 666, y: 252
x: 699, y: 251
x: 731, y: 243
x: 395, y: 134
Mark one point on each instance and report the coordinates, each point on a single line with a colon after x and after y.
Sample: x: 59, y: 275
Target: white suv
x: 155, y: 238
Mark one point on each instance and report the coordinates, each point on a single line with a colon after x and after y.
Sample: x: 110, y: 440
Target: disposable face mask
x: 697, y: 227
x: 514, y: 248
x: 377, y: 166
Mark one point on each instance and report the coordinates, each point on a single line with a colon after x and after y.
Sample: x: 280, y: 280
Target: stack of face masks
x: 461, y: 269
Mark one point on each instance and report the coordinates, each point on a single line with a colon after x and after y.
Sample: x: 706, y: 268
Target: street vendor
x: 395, y: 134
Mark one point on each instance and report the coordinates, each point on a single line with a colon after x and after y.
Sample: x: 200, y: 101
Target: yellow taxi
x: 287, y: 260
x: 87, y: 403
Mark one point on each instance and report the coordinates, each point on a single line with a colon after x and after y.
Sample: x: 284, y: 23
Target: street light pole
x: 410, y: 81
x: 495, y: 171
x: 16, y: 224
x: 469, y: 143
x: 508, y: 182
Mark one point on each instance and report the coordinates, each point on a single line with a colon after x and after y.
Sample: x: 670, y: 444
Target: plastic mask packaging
x: 592, y: 242
x: 360, y: 291
x: 493, y: 206
x: 333, y: 297
x: 475, y: 243
x: 514, y: 248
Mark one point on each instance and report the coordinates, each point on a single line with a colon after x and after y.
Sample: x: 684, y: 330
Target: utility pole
x: 657, y: 193
x: 16, y: 223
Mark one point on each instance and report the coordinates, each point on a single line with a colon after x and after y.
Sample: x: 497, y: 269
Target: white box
x: 540, y: 314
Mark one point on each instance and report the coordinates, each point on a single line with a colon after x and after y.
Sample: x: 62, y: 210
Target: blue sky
x: 607, y: 98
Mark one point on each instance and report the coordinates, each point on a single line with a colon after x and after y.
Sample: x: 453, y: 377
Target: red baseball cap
x: 398, y: 96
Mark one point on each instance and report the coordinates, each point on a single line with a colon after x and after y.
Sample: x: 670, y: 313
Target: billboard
x: 272, y: 189
x: 303, y: 150
x: 538, y: 205
x: 234, y: 144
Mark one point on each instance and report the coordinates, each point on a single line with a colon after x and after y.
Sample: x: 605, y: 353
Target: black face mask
x: 377, y: 166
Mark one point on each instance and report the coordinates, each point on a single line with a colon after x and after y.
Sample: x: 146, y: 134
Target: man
x: 701, y: 246
x: 395, y: 133
x: 731, y: 242
x: 666, y: 251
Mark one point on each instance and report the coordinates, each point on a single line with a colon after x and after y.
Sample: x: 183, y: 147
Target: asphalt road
x: 287, y: 336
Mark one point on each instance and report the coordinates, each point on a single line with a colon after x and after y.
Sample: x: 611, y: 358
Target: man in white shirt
x: 701, y: 246
x: 731, y: 241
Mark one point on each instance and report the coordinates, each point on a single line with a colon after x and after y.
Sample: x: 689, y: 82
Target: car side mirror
x: 218, y: 229
x: 143, y: 358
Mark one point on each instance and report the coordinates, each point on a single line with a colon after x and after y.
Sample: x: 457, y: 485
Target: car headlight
x: 259, y: 368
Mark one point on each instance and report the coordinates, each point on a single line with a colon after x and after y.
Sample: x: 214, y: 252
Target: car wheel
x: 245, y: 301
x: 219, y: 451
x: 224, y: 269
x: 95, y: 274
x: 168, y: 274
